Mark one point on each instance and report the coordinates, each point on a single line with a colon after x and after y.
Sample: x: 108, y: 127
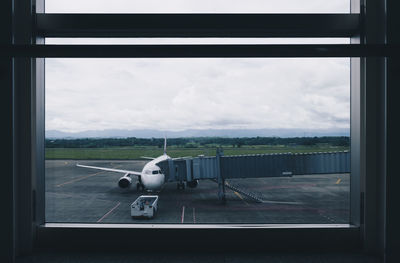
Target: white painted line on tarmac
x: 109, y: 212
x: 281, y: 202
x: 79, y: 179
x: 183, y: 214
x: 83, y: 177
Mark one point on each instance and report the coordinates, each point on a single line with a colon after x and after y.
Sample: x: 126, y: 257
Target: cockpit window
x: 155, y: 172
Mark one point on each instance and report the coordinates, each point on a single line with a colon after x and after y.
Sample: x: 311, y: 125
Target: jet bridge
x: 220, y: 167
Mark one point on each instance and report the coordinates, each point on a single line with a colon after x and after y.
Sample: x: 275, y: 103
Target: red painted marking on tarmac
x: 109, y: 212
x: 183, y: 214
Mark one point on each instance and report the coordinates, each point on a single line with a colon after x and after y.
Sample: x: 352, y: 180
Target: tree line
x: 196, y: 142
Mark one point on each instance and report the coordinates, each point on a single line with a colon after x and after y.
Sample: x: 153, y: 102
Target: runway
x: 79, y: 195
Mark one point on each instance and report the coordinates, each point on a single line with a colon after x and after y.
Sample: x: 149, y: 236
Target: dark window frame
x: 29, y: 57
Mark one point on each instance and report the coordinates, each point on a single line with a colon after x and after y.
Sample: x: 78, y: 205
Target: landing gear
x: 180, y: 186
x: 139, y: 187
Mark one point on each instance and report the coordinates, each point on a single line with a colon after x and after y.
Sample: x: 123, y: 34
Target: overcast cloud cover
x: 179, y: 94
x: 198, y: 6
x: 205, y: 93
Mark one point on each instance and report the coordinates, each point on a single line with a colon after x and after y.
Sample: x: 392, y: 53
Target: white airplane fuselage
x: 151, y: 176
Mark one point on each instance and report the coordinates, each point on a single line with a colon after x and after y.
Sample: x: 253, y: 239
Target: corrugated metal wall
x: 253, y: 166
x: 205, y: 168
x: 265, y: 165
x: 321, y: 163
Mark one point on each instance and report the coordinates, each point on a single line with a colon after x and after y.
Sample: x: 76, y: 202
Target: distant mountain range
x: 149, y: 133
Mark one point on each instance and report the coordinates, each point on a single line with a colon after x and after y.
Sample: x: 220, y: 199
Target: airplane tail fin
x: 165, y: 144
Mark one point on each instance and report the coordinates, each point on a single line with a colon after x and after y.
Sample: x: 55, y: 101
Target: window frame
x: 275, y: 237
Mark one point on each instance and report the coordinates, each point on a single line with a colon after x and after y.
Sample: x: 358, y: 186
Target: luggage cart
x: 145, y: 206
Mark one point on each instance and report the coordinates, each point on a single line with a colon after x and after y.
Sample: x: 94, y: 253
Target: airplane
x: 151, y: 178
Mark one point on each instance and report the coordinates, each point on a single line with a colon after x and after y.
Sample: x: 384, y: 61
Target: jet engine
x: 125, y: 181
x: 193, y: 184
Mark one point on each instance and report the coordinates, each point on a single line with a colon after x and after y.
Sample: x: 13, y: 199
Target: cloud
x: 197, y: 93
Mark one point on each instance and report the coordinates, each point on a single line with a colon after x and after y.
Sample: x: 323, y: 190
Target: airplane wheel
x: 180, y: 186
x: 139, y: 187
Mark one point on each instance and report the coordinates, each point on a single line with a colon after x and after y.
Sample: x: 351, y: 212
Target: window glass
x: 196, y: 6
x: 283, y: 126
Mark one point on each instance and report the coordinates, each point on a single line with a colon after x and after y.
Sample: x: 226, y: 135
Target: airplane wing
x: 149, y: 158
x: 109, y: 169
x: 180, y: 158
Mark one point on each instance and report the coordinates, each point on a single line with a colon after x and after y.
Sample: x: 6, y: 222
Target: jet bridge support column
x: 220, y: 179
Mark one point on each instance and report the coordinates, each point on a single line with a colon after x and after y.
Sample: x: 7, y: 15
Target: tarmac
x: 81, y: 195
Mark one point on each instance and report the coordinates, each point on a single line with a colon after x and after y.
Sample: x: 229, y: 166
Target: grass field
x: 124, y: 153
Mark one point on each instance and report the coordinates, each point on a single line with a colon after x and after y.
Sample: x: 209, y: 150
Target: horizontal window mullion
x: 181, y: 51
x: 197, y: 25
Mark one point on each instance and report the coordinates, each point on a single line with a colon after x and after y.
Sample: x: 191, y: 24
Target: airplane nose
x: 153, y: 182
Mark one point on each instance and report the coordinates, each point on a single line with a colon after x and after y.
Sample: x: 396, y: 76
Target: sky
x: 179, y: 94
x: 197, y: 6
x: 197, y: 93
